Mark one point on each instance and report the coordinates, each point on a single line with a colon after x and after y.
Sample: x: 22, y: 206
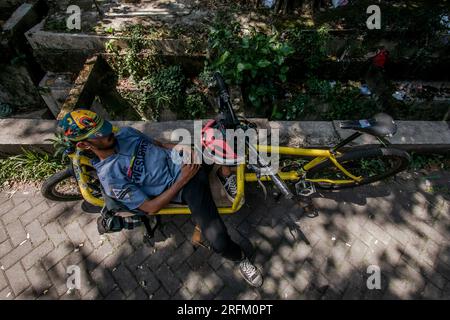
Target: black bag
x: 109, y: 222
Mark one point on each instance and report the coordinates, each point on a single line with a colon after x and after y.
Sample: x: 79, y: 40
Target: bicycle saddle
x: 381, y: 125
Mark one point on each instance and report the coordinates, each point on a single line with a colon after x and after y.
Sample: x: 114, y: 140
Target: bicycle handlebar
x: 225, y: 106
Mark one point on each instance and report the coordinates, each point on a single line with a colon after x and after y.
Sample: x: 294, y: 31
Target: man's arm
x: 164, y: 145
x: 154, y: 205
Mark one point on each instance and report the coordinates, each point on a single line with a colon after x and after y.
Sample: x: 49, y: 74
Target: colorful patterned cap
x: 85, y: 124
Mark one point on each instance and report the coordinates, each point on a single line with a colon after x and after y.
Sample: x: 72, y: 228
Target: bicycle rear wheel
x: 62, y: 186
x: 372, y: 164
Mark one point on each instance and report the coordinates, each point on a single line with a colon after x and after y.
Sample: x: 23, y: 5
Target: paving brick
x: 34, y: 213
x: 37, y: 254
x: 356, y: 253
x: 91, y: 232
x: 147, y: 279
x: 99, y: 254
x: 118, y: 256
x: 36, y: 233
x: 216, y: 261
x: 160, y: 294
x: 18, y: 198
x: 443, y: 269
x: 5, y: 247
x: 14, y: 212
x: 3, y: 282
x: 15, y: 255
x: 211, y: 279
x: 27, y: 294
x: 53, y: 213
x: 39, y: 279
x: 6, y: 294
x: 431, y: 292
x: 138, y: 294
x: 125, y: 279
x: 3, y: 234
x: 58, y: 276
x: 183, y: 294
x: 17, y: 279
x: 139, y: 256
x: 49, y: 294
x: 286, y: 290
x: 135, y: 237
x: 56, y: 233
x: 116, y: 294
x: 36, y: 199
x: 197, y: 259
x: 93, y: 294
x: 180, y: 255
x: 16, y: 232
x: 117, y: 239
x: 104, y: 280
x: 170, y: 283
x: 73, y: 213
x: 57, y: 254
x: 75, y: 233
x: 6, y: 207
x: 82, y: 218
x: 164, y: 250
x: 431, y: 252
x: 377, y: 232
x: 4, y: 199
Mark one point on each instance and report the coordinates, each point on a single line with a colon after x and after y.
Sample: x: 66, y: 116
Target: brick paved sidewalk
x: 402, y: 226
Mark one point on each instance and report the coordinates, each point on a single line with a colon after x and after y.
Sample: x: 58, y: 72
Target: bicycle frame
x: 80, y: 162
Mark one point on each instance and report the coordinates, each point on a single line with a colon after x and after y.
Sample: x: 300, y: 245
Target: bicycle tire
x: 48, y: 189
x: 402, y: 161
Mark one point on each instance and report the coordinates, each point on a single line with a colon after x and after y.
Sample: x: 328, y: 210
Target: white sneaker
x: 250, y: 273
x: 230, y: 185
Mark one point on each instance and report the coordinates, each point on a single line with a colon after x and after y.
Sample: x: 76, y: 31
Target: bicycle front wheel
x: 372, y: 164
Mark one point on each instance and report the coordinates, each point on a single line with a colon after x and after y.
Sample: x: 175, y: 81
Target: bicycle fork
x: 268, y: 171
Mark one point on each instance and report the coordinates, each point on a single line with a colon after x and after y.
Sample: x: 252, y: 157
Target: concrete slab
x: 412, y: 135
x: 423, y: 134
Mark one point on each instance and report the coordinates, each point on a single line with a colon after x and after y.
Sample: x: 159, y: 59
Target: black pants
x: 197, y: 195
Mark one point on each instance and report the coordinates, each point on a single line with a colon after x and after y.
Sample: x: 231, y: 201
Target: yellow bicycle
x: 306, y: 169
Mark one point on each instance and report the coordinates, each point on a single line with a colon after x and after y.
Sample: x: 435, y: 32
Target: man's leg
x: 197, y: 195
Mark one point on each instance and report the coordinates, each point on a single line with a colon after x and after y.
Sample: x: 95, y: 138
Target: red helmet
x: 215, y: 146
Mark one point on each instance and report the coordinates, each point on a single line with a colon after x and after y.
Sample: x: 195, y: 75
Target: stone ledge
x: 427, y: 136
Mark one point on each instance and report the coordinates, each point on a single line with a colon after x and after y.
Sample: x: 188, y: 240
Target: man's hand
x: 189, y: 155
x: 156, y: 204
x: 188, y: 171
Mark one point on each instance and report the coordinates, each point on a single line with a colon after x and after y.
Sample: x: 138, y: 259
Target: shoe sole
x: 248, y: 281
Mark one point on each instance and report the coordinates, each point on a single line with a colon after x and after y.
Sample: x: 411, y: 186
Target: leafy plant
x: 31, y: 166
x: 293, y: 108
x: 162, y: 88
x: 310, y: 45
x: 62, y: 146
x: 138, y: 59
x: 255, y: 60
x: 195, y: 106
x: 431, y: 161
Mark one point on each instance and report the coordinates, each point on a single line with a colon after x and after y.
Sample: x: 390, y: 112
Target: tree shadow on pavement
x: 399, y: 226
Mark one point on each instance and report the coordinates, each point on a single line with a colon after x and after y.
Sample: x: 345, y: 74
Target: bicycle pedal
x: 305, y: 188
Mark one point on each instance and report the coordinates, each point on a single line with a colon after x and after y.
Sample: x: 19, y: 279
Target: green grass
x: 431, y: 161
x: 31, y: 166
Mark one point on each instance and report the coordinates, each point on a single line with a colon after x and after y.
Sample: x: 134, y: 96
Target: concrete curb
x: 419, y: 136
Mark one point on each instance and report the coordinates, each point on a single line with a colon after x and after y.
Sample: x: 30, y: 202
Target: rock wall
x: 7, y: 7
x: 17, y: 88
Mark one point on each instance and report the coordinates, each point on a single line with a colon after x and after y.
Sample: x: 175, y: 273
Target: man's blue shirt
x: 139, y: 169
